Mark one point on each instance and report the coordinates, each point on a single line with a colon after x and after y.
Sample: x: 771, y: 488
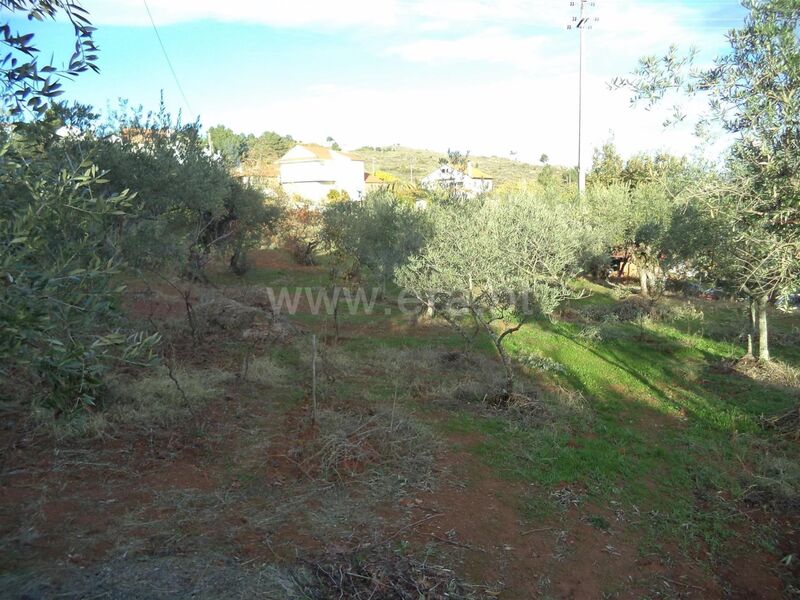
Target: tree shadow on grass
x: 678, y: 377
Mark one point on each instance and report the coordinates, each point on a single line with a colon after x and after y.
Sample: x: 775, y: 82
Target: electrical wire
x: 166, y: 56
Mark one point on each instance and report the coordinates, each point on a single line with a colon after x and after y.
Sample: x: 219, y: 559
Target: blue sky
x: 486, y: 76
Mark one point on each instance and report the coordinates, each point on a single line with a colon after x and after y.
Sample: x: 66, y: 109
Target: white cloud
x: 278, y: 13
x: 624, y: 27
x: 491, y: 45
x: 527, y: 115
x: 483, y: 109
x: 460, y: 13
x: 539, y: 113
x: 641, y: 17
x: 337, y: 13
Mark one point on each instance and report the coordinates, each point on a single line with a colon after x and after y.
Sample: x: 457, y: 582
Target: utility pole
x: 581, y: 23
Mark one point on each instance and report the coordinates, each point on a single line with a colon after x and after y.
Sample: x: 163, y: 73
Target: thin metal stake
x: 313, y: 379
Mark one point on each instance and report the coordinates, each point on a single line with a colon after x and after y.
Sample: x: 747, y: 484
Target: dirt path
x: 563, y: 556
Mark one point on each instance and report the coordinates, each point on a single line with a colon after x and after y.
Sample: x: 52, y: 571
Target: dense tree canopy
x: 189, y: 205
x: 238, y: 148
x: 80, y: 202
x: 638, y: 208
x: 59, y: 235
x: 754, y: 95
x: 377, y: 234
x: 496, y: 262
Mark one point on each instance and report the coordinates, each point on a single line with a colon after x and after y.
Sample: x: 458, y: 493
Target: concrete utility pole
x: 581, y: 23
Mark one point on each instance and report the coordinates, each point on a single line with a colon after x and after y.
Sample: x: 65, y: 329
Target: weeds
x: 348, y: 446
x: 150, y: 400
x: 542, y: 364
x: 265, y: 370
x: 775, y: 482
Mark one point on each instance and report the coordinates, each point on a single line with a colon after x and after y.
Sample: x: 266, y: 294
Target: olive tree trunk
x: 763, y: 334
x: 504, y: 357
x: 430, y: 311
x: 753, y: 329
x: 643, y: 282
x: 509, y: 369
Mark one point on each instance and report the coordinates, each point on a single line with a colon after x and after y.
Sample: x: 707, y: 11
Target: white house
x: 311, y: 171
x: 471, y: 181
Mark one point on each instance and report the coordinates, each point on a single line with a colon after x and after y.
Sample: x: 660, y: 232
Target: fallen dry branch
x: 456, y: 543
x: 384, y: 576
x: 786, y: 424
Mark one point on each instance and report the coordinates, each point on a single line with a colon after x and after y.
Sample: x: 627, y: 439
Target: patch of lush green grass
x: 593, y: 294
x: 668, y: 426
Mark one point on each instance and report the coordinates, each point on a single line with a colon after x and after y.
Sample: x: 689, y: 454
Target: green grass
x: 594, y: 294
x: 667, y: 427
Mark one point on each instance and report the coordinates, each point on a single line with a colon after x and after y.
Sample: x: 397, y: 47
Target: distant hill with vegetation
x: 255, y: 153
x: 399, y: 161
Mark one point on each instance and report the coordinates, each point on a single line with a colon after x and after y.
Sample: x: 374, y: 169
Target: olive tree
x: 189, y: 205
x: 754, y: 96
x: 635, y: 206
x: 58, y: 305
x: 59, y: 233
x: 378, y: 234
x: 494, y: 263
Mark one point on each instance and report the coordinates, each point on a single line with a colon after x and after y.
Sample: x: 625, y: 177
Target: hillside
x: 399, y: 161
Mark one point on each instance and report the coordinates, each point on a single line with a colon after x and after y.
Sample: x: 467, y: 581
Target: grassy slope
x: 398, y: 162
x: 659, y: 402
x: 667, y: 427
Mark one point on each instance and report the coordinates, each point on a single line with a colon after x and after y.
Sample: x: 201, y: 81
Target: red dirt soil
x: 563, y: 557
x: 73, y: 510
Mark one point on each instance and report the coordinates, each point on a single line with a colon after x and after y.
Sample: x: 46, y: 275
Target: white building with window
x: 470, y: 182
x: 311, y: 172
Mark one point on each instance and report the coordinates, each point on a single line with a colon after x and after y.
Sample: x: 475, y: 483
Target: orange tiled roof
x: 323, y: 153
x: 317, y: 150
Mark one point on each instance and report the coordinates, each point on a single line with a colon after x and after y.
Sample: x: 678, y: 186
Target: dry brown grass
x: 384, y: 575
x: 347, y: 445
x: 774, y: 372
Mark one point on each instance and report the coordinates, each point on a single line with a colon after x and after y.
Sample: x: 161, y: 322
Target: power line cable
x: 166, y: 56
